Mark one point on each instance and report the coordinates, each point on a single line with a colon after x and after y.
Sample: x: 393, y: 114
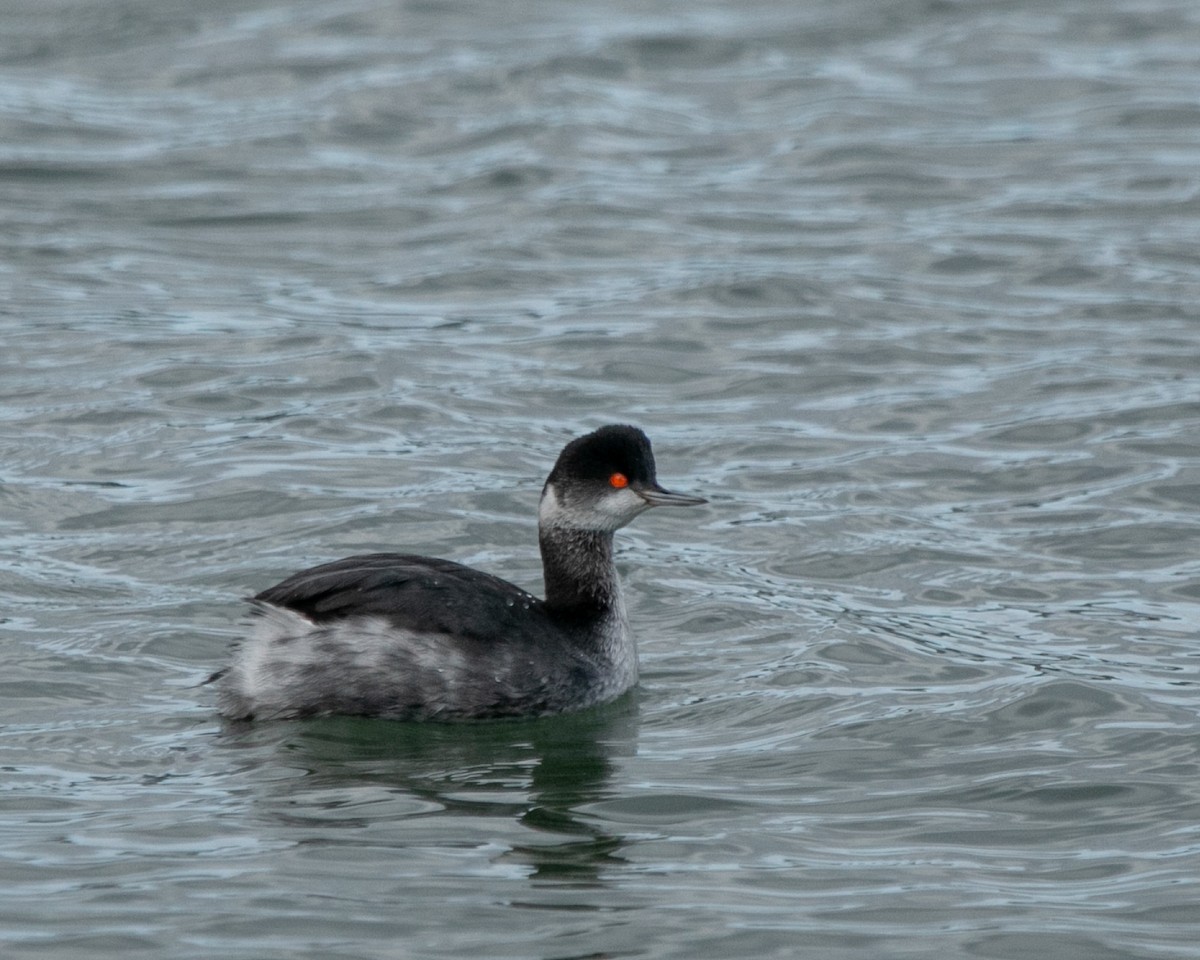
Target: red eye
x: 618, y: 480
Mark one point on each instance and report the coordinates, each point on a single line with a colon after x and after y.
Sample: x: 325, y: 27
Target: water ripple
x: 908, y: 291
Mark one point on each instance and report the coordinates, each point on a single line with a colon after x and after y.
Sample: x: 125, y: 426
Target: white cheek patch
x: 550, y: 511
x: 610, y: 511
x: 618, y: 507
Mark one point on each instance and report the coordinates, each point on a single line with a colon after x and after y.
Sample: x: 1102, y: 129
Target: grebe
x: 416, y: 638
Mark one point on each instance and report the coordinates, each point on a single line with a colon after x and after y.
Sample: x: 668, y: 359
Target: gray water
x: 910, y: 290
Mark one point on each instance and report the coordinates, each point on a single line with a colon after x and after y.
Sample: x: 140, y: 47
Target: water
x: 909, y: 290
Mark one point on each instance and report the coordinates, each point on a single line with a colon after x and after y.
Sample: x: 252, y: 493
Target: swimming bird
x: 417, y: 638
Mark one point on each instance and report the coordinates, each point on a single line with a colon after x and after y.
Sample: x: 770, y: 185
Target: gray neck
x: 581, y: 578
x: 582, y: 589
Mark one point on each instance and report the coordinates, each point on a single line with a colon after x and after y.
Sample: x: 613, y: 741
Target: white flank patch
x: 270, y: 672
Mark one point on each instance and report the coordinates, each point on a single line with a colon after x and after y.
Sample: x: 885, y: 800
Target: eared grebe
x: 392, y: 635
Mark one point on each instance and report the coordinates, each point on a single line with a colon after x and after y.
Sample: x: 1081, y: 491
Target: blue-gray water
x: 910, y: 290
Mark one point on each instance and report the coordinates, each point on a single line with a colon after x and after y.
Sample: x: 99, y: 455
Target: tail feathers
x: 246, y: 687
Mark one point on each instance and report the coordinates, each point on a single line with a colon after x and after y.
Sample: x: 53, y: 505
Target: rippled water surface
x: 908, y: 289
